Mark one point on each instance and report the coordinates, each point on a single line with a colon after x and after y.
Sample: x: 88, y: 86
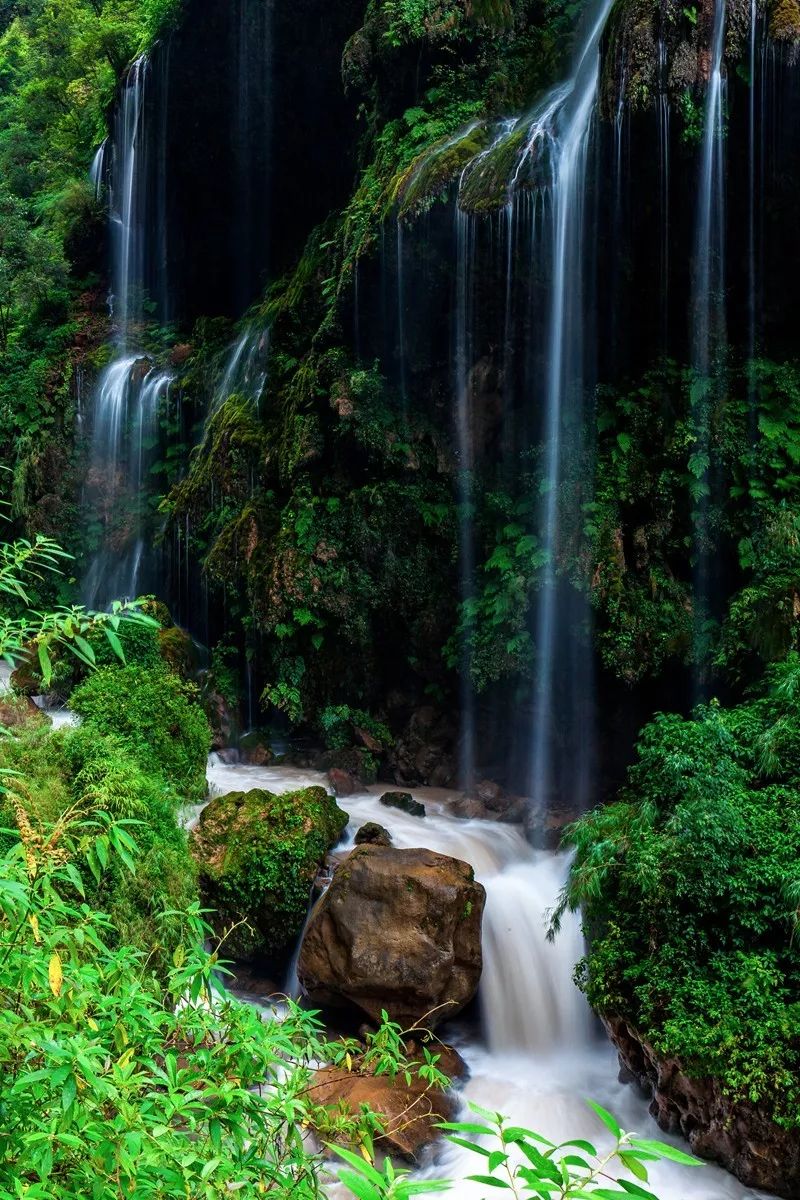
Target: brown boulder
x: 409, y: 1112
x: 398, y: 930
x: 373, y: 834
x: 342, y: 783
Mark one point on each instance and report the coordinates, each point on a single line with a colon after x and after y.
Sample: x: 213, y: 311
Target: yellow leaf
x: 55, y: 975
x: 365, y: 1154
x: 90, y: 1021
x: 34, y: 920
x: 348, y: 1061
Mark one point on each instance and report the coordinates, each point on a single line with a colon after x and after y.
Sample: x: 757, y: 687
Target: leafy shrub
x: 156, y: 715
x: 686, y: 888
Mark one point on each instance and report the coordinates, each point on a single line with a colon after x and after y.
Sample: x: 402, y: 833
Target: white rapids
x: 540, y: 1055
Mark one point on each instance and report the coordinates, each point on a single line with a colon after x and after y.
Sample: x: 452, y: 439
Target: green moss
x: 784, y: 21
x: 258, y: 855
x: 156, y: 716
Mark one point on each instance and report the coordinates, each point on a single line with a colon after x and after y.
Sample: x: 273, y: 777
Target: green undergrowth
x: 689, y: 888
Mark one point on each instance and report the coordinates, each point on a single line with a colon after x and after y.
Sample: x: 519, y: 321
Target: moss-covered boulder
x: 258, y: 855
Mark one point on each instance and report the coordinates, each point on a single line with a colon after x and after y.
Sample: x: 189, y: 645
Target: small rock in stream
x: 405, y: 802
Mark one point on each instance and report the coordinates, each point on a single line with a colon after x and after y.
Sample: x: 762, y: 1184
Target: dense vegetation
x: 689, y: 887
x: 348, y: 564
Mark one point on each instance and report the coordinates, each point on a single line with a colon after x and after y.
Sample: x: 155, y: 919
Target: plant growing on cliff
x: 683, y: 886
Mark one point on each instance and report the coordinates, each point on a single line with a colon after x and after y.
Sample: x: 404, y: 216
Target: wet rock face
x: 737, y: 1135
x: 373, y: 834
x: 342, y: 782
x: 424, y: 752
x: 398, y: 930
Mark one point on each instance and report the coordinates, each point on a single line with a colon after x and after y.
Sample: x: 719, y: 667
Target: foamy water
x: 540, y: 1054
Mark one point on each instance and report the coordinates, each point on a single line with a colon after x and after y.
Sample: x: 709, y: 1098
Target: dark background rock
x: 405, y: 802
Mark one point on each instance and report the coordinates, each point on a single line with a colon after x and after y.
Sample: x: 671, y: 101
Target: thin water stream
x: 539, y: 1054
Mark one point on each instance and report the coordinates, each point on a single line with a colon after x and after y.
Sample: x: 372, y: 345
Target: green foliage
x: 654, y: 471
x: 326, y: 518
x: 493, y: 631
x: 340, y: 724
x: 686, y: 887
x: 114, y: 1081
x: 523, y: 1163
x: 60, y: 66
x: 157, y: 717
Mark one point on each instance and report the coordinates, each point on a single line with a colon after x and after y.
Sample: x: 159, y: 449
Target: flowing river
x: 539, y: 1053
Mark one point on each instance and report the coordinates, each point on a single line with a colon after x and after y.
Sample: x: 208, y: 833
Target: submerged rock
x: 734, y: 1133
x: 405, y: 802
x: 398, y: 930
x: 258, y: 855
x: 373, y: 834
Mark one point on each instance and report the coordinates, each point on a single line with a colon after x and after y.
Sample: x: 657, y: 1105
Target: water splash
x: 245, y: 370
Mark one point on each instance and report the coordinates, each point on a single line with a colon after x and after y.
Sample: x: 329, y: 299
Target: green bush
x: 158, y: 718
x: 688, y: 886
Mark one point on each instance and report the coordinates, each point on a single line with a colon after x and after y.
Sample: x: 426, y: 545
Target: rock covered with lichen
x: 258, y: 855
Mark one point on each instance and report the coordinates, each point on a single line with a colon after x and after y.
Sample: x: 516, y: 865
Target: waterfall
x: 664, y: 179
x: 567, y: 130
x: 547, y: 187
x: 128, y: 201
x: 245, y: 370
x: 465, y: 234
x: 97, y: 171
x: 130, y: 390
x: 708, y: 325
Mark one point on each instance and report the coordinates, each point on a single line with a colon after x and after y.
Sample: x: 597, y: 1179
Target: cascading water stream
x: 129, y: 390
x: 539, y: 1056
x: 554, y: 162
x: 462, y: 361
x: 568, y: 132
x: 708, y: 324
x: 245, y: 370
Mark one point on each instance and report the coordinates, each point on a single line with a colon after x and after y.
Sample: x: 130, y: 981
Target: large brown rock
x: 733, y: 1133
x: 409, y: 1109
x: 398, y: 930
